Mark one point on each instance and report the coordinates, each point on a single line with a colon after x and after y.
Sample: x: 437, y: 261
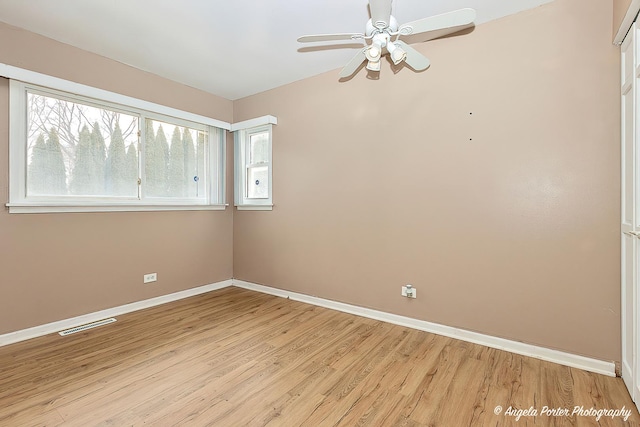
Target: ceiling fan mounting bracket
x: 371, y: 29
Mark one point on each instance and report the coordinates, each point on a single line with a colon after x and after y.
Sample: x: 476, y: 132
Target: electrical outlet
x: 151, y: 277
x: 409, y: 291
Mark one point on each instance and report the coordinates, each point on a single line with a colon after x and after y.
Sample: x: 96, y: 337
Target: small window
x: 253, y: 168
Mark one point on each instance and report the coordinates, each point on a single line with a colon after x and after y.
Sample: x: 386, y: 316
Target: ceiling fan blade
x: 353, y: 64
x: 453, y: 20
x: 330, y: 37
x: 414, y: 59
x: 380, y: 13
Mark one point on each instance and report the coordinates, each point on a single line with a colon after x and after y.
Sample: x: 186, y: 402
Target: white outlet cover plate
x: 404, y: 292
x: 151, y: 277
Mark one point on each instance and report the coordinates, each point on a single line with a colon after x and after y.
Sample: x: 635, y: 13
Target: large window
x: 68, y: 150
x: 253, y: 168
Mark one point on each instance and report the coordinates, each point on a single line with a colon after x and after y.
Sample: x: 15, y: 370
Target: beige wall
x: 55, y: 266
x: 506, y: 220
x: 620, y: 8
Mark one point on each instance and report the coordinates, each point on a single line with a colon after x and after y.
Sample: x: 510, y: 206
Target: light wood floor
x: 240, y: 358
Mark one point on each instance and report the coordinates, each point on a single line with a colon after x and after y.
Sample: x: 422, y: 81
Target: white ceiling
x: 231, y: 48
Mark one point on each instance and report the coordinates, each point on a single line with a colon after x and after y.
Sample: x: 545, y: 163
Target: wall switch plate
x: 151, y: 277
x: 413, y: 292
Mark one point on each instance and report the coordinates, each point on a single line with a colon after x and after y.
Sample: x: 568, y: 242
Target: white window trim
x: 241, y: 136
x: 51, y: 82
x: 254, y: 207
x: 251, y: 123
x: 34, y: 208
x: 18, y: 201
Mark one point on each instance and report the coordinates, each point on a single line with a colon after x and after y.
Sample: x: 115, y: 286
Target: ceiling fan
x: 383, y: 32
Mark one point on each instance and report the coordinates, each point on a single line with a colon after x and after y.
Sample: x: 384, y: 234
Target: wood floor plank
x: 234, y: 357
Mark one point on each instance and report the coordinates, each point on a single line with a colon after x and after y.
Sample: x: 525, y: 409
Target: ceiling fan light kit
x: 396, y: 53
x: 383, y: 32
x: 374, y: 51
x: 373, y: 65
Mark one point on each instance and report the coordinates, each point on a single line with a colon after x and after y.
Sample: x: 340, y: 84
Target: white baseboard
x: 556, y: 356
x: 547, y: 354
x: 37, y: 331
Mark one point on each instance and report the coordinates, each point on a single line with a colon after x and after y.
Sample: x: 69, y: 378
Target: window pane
x: 259, y: 148
x: 175, y: 161
x: 258, y: 182
x: 80, y: 150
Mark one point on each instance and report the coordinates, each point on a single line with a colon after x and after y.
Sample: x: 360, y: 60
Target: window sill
x: 255, y: 207
x: 22, y: 208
